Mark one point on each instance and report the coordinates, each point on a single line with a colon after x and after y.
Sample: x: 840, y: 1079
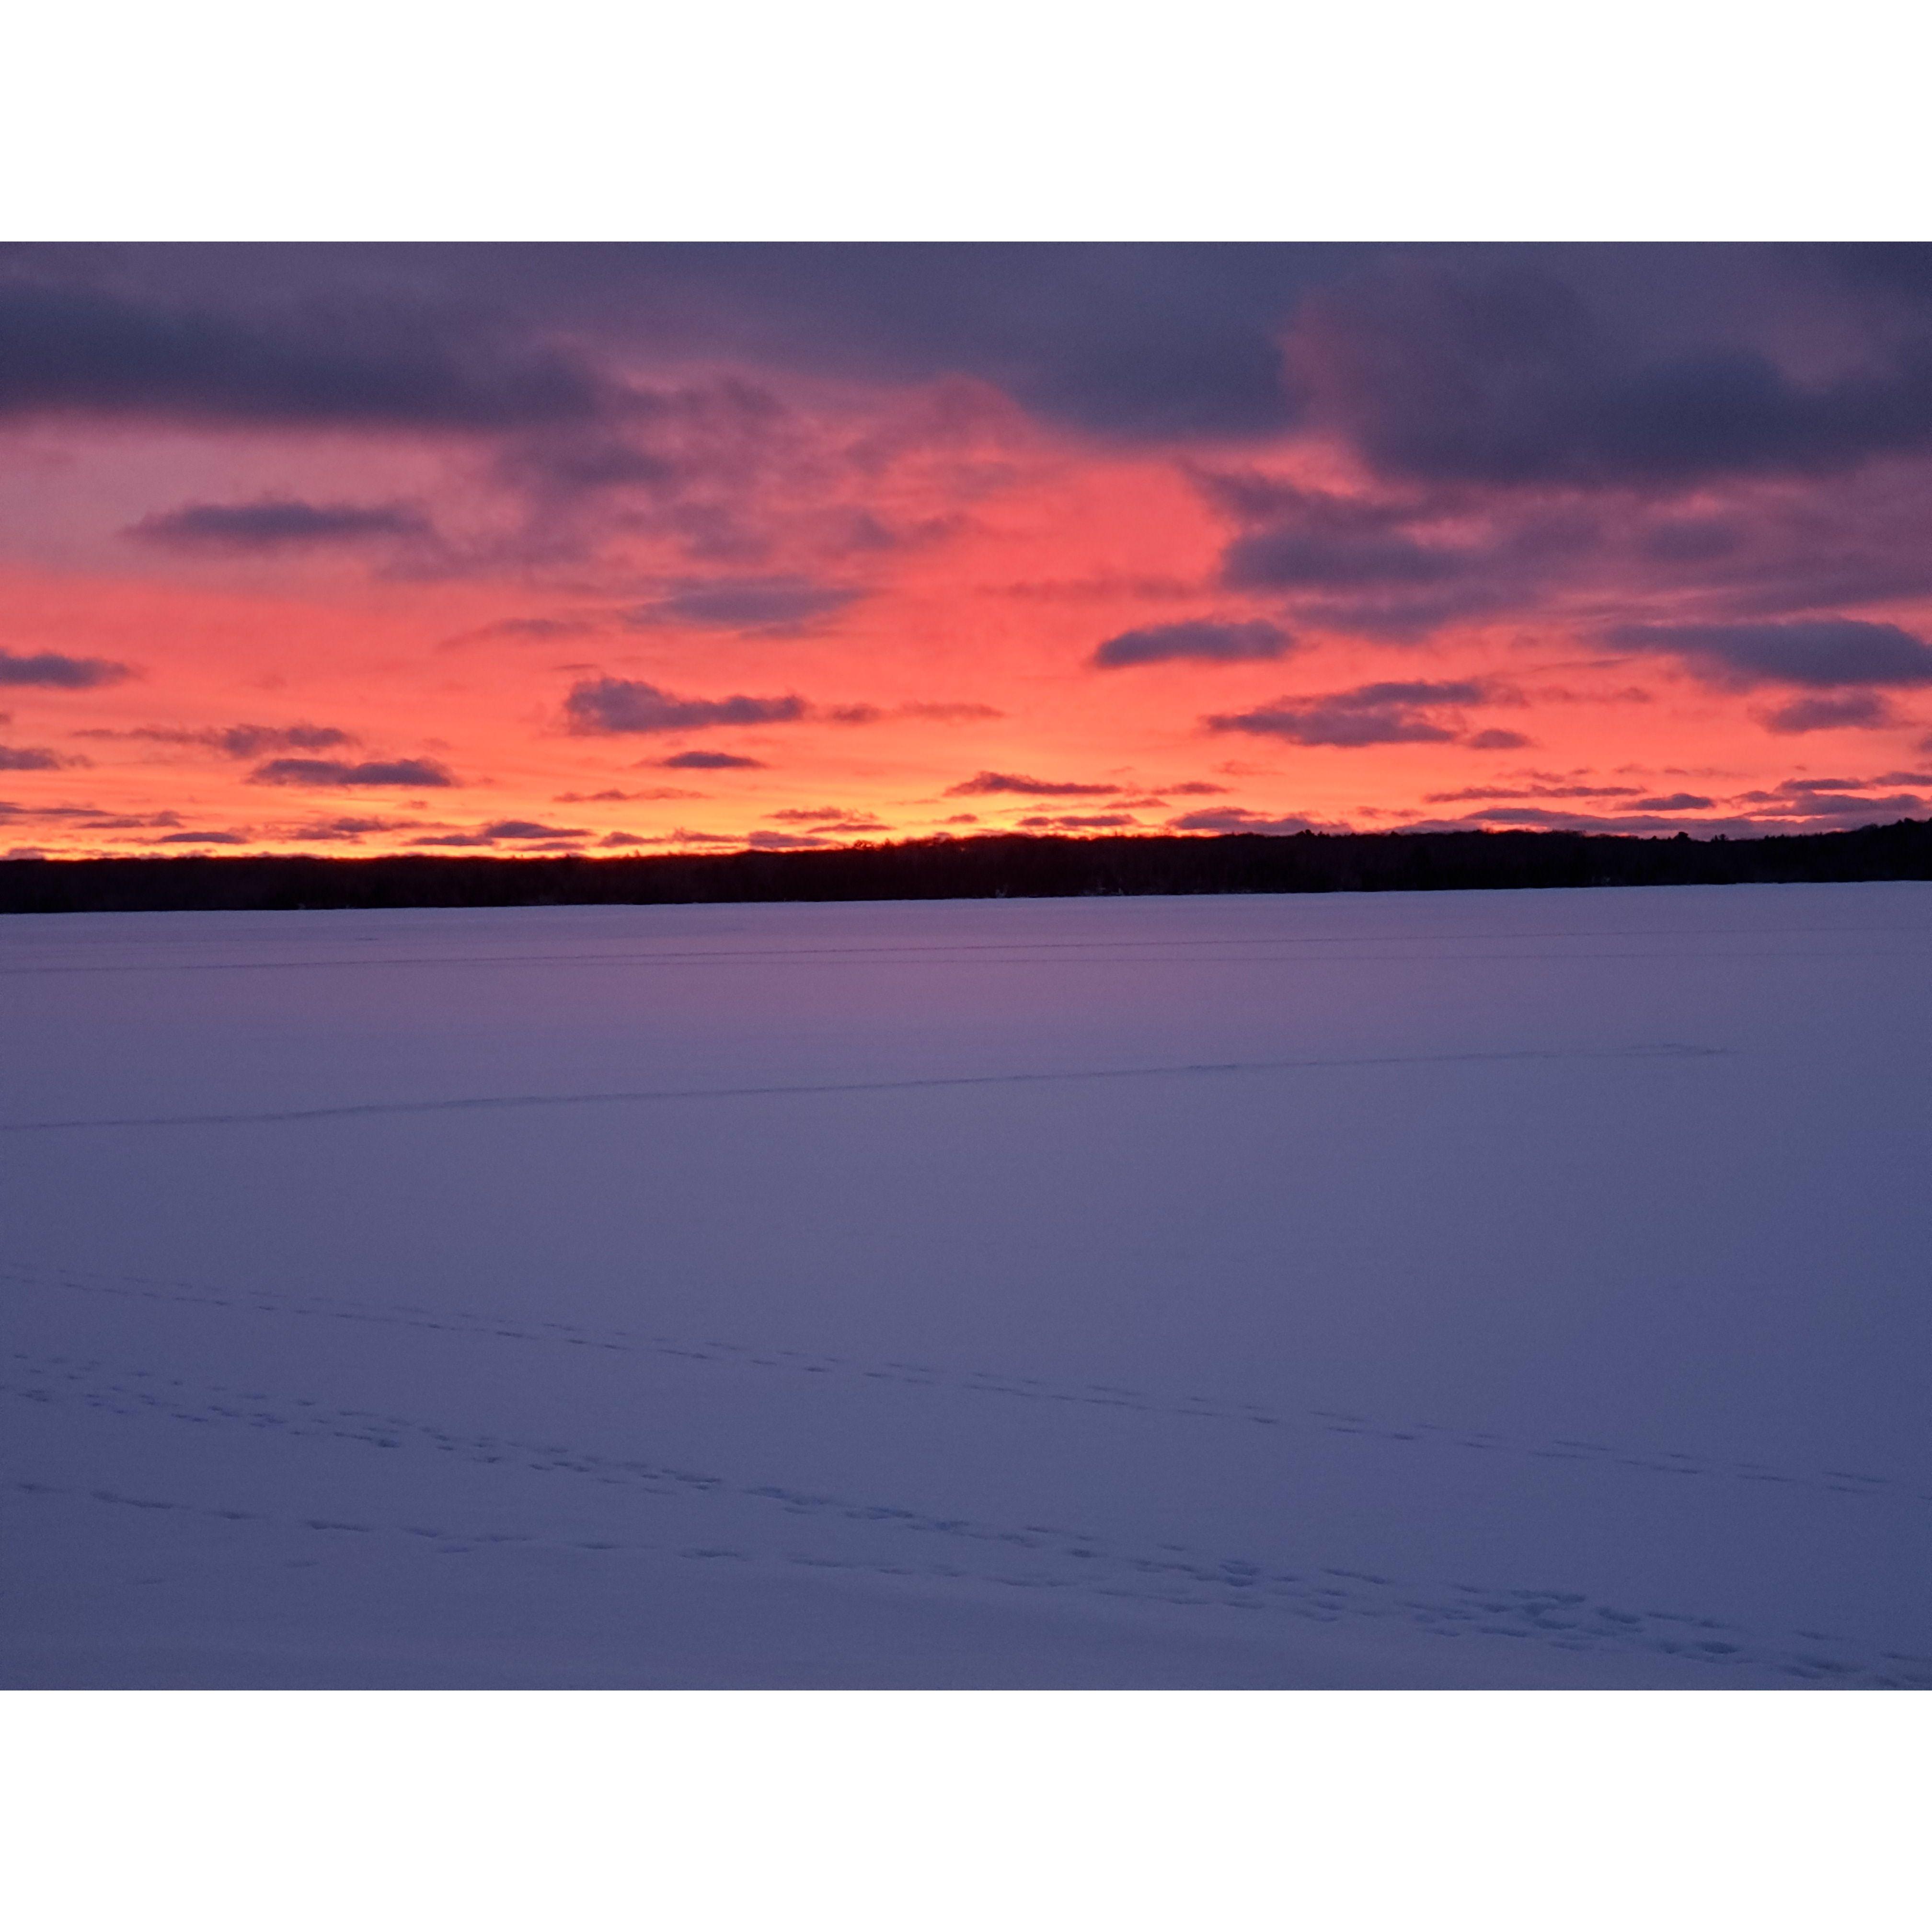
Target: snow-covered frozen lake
x: 1491, y: 1289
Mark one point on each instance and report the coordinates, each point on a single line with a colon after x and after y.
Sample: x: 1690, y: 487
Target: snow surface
x: 1510, y: 1289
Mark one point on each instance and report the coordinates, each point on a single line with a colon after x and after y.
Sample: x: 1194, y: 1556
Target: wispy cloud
x: 279, y: 523
x: 232, y: 741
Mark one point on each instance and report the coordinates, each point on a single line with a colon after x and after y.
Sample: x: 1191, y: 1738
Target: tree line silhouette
x: 991, y: 866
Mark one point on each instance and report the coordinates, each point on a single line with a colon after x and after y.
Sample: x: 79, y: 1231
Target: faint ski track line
x: 645, y: 1095
x: 943, y: 951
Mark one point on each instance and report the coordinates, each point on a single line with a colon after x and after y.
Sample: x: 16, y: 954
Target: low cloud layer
x: 1412, y: 712
x: 513, y: 832
x: 985, y: 784
x: 1080, y: 821
x: 1203, y: 641
x: 607, y: 706
x: 1236, y: 818
x: 411, y: 774
x: 710, y: 761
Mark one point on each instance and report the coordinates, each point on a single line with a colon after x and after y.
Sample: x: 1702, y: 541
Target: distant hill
x: 991, y: 866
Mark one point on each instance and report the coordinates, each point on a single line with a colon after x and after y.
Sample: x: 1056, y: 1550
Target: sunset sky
x: 614, y: 548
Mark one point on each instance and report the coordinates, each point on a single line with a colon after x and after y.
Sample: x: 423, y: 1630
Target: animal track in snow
x: 984, y: 1382
x: 869, y: 1535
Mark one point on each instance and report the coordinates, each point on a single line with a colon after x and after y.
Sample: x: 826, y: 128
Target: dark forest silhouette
x: 991, y: 866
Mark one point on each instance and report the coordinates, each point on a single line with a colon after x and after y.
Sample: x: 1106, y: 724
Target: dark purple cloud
x: 1394, y: 567
x: 1295, y: 559
x: 249, y: 741
x: 1122, y: 340
x: 1237, y: 818
x: 72, y: 341
x: 1516, y: 364
x: 1397, y: 569
x: 527, y: 828
x: 1498, y: 370
x: 710, y: 761
x: 586, y: 461
x: 1694, y: 540
x: 35, y: 758
x: 235, y: 741
x: 1823, y: 651
x: 326, y: 830
x: 1821, y: 551
x: 1203, y: 640
x: 521, y: 832
x: 988, y: 784
x: 1796, y: 798
x: 92, y: 816
x: 1389, y: 713
x: 746, y: 604
x: 1257, y: 496
x: 50, y: 670
x: 1545, y: 818
x: 1807, y: 785
x: 413, y: 773
x: 1851, y: 710
x: 603, y: 706
x: 785, y: 841
x: 278, y: 523
x: 828, y: 818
